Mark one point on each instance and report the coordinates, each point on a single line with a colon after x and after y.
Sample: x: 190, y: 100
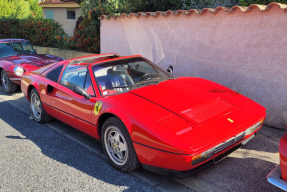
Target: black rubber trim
x: 67, y: 113
x: 160, y: 149
x: 185, y: 174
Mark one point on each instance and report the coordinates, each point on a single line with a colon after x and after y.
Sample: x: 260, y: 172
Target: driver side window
x: 17, y: 47
x: 77, y: 75
x: 27, y: 46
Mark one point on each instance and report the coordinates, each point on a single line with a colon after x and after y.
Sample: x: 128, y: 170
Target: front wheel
x: 38, y: 112
x: 8, y: 85
x: 118, y: 146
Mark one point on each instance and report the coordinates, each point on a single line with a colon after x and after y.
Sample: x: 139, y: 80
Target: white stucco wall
x: 245, y: 51
x: 60, y: 15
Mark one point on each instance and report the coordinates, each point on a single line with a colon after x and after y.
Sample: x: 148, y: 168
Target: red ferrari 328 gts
x: 17, y: 57
x: 142, y: 114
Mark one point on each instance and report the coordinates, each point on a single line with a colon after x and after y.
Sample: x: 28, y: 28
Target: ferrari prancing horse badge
x: 230, y: 120
x: 97, y: 107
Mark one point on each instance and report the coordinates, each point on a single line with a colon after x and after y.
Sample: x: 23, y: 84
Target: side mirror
x: 81, y: 91
x: 170, y: 69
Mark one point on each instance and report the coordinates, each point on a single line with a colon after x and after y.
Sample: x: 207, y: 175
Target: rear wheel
x: 8, y: 85
x: 38, y: 112
x: 118, y: 146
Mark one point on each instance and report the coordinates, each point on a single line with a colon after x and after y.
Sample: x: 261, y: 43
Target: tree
x: 15, y: 9
x: 35, y: 9
x: 20, y: 9
x: 77, y: 1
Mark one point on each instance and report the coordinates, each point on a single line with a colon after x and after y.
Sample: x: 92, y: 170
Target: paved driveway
x: 55, y: 157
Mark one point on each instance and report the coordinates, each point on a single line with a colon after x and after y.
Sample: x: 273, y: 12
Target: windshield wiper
x: 125, y: 86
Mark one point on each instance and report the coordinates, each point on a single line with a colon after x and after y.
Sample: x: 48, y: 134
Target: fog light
x: 203, y: 156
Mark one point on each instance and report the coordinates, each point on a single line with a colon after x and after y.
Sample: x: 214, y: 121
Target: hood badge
x: 230, y: 120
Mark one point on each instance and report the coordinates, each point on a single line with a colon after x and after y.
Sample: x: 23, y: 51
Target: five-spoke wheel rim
x: 36, y: 106
x: 116, y: 145
x: 5, y: 80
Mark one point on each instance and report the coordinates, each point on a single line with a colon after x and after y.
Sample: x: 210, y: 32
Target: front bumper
x: 185, y: 174
x: 274, y: 177
x: 16, y: 80
x: 177, y: 165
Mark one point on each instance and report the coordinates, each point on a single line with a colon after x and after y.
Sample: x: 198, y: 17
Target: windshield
x: 13, y: 48
x: 127, y: 74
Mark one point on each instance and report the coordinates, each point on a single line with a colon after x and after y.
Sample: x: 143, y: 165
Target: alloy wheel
x: 116, y: 145
x: 36, y: 106
x: 5, y: 80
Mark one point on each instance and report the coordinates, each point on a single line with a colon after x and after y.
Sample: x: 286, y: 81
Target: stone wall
x: 66, y: 54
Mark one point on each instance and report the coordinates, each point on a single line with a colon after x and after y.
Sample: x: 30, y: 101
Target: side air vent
x: 50, y: 89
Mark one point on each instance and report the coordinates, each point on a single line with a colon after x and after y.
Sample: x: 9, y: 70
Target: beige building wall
x: 244, y: 49
x: 60, y: 15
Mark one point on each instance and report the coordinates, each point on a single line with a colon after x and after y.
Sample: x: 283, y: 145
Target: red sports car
x: 17, y: 57
x: 142, y: 114
x: 278, y: 176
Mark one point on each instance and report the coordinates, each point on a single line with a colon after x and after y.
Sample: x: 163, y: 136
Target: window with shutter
x: 50, y: 14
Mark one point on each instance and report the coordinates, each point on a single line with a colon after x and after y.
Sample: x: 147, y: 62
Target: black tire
x: 42, y: 116
x: 132, y: 162
x: 8, y: 85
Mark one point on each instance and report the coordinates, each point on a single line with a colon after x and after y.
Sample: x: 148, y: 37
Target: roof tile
x: 55, y: 2
x: 200, y: 12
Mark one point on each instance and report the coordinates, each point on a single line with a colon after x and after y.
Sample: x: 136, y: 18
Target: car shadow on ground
x: 240, y: 174
x: 246, y: 169
x: 64, y: 150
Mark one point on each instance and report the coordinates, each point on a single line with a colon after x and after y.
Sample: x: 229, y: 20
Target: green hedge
x: 48, y: 33
x: 41, y: 32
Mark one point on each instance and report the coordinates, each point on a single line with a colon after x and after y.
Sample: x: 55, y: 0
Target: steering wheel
x: 144, y: 76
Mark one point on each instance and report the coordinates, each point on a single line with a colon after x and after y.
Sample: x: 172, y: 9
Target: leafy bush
x: 13, y: 9
x: 86, y: 36
x: 87, y: 31
x: 200, y: 4
x: 154, y: 5
x: 20, y: 9
x: 263, y: 2
x: 35, y: 9
x: 163, y: 5
x: 106, y: 7
x: 41, y: 32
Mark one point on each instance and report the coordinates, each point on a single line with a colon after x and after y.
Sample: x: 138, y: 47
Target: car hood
x: 37, y: 60
x: 196, y: 100
x: 187, y: 115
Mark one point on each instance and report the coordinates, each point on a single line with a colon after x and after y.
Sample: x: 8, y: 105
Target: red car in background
x: 278, y: 176
x: 17, y: 57
x: 142, y: 114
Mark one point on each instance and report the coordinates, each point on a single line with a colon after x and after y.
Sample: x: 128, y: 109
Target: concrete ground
x: 56, y: 157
